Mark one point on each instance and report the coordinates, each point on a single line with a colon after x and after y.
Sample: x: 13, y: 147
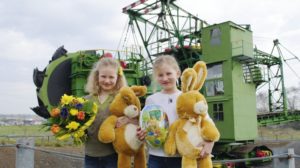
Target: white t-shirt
x: 168, y: 104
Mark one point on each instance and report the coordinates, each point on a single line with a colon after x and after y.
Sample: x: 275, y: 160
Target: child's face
x: 107, y: 78
x: 167, y: 76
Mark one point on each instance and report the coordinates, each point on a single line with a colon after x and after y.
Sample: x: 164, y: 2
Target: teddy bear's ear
x: 126, y: 94
x: 127, y: 99
x: 188, y: 79
x: 201, y: 70
x: 139, y: 90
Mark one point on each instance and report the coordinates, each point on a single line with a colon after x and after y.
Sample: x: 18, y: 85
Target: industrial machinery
x: 235, y: 70
x: 67, y: 74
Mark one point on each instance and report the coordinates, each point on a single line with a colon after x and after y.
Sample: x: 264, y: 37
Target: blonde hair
x: 92, y: 86
x: 164, y: 60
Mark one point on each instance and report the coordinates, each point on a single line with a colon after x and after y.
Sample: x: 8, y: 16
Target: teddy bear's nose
x: 135, y: 109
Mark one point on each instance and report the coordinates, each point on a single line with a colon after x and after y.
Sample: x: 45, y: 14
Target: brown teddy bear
x: 124, y: 139
x: 193, y: 125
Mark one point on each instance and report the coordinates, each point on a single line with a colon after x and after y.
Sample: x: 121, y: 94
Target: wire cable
x: 291, y: 69
x: 126, y: 25
x: 295, y: 57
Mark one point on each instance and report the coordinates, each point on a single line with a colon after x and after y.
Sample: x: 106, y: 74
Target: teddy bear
x: 124, y: 138
x: 193, y: 125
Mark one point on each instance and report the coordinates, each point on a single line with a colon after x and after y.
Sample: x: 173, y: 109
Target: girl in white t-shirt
x: 166, y: 72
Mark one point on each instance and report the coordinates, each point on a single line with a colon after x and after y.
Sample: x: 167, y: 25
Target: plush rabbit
x: 193, y: 125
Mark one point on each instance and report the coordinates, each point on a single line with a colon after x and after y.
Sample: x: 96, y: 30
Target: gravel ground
x: 43, y: 159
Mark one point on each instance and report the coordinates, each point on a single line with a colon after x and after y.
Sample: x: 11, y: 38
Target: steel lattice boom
x: 163, y: 26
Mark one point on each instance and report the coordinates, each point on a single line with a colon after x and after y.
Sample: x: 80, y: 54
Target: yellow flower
x: 78, y: 134
x: 73, y: 125
x: 66, y: 99
x: 73, y: 112
x: 80, y: 100
x: 95, y: 108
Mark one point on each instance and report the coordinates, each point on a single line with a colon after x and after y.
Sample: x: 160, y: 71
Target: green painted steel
x: 277, y: 118
x: 42, y: 92
x: 173, y: 30
x: 274, y: 78
x: 81, y: 63
x: 226, y: 44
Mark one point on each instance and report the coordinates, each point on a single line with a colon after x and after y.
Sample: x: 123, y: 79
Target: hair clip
x: 120, y: 71
x: 109, y: 55
x: 106, y: 55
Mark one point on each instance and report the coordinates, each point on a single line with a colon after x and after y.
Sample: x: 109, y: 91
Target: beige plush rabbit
x: 193, y: 125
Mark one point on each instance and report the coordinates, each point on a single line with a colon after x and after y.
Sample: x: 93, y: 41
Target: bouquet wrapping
x: 156, y: 124
x: 71, y: 118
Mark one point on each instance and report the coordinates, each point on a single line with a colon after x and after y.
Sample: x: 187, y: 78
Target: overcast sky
x: 31, y: 30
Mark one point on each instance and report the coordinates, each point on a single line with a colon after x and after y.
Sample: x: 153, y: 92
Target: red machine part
x: 263, y: 153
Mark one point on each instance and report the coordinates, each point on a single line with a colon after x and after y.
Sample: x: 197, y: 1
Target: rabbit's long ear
x: 201, y: 70
x: 188, y: 79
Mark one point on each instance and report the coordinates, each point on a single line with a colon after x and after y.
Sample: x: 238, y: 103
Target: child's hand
x: 207, y: 148
x: 141, y: 134
x: 122, y: 121
x: 125, y: 120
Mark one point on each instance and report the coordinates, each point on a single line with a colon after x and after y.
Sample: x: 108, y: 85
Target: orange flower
x: 80, y: 115
x: 55, y: 128
x: 55, y: 112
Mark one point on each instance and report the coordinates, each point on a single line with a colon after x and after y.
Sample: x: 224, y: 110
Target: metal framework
x: 277, y: 95
x: 267, y: 69
x: 164, y: 26
x: 275, y: 78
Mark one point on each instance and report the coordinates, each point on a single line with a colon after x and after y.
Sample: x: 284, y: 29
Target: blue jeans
x: 109, y: 161
x: 164, y: 162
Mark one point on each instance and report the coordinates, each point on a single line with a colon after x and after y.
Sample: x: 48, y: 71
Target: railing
x: 25, y: 156
x: 289, y: 158
x: 29, y: 156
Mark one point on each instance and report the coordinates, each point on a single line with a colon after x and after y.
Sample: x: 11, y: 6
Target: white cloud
x: 16, y: 46
x: 17, y: 97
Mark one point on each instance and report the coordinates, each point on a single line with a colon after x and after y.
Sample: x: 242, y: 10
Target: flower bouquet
x: 156, y: 124
x: 71, y: 118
